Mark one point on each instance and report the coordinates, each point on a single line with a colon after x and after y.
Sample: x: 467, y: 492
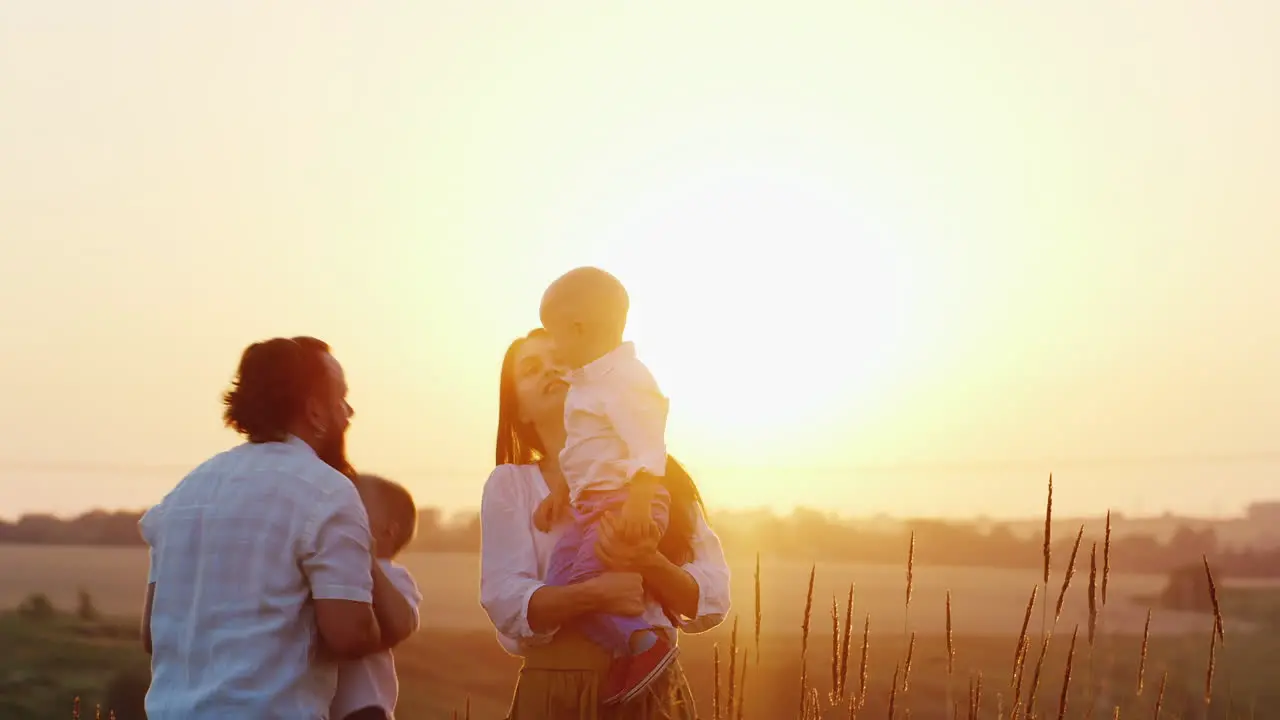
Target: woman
x: 684, y: 570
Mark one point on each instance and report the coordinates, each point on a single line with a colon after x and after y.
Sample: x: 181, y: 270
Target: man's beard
x: 333, y: 451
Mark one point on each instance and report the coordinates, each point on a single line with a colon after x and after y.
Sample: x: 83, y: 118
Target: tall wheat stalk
x: 733, y: 670
x: 1066, y: 676
x: 1048, y: 554
x: 758, y: 611
x: 1057, y: 614
x: 951, y: 659
x: 804, y: 643
x: 715, y: 692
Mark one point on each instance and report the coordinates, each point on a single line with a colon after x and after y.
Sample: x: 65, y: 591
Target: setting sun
x: 769, y: 303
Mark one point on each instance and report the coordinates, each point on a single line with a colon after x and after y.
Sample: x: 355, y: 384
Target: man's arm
x: 338, y: 563
x: 146, y: 616
x: 397, y: 619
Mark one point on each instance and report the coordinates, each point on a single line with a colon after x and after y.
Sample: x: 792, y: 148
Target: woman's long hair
x: 518, y: 444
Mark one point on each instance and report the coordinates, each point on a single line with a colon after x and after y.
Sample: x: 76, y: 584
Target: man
x: 262, y: 573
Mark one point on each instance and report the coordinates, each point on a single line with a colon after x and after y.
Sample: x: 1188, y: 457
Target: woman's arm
x: 710, y: 571
x: 614, y: 593
x: 671, y: 585
x: 698, y: 590
x: 508, y: 560
x: 518, y: 603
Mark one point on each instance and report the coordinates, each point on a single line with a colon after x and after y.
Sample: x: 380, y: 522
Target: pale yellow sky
x: 946, y: 235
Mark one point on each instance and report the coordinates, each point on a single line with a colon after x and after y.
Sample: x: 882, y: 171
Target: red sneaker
x: 628, y: 677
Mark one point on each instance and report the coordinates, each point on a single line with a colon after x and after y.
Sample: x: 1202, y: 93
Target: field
x: 986, y: 601
x: 455, y: 660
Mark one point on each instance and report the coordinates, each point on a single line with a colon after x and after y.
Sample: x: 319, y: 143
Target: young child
x: 368, y: 688
x: 613, y: 460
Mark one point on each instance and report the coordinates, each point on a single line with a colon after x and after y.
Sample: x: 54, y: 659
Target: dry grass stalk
x: 977, y: 696
x: 742, y: 687
x: 906, y: 669
x: 1066, y: 676
x: 1093, y: 593
x: 1142, y: 658
x: 893, y: 690
x: 1057, y: 615
x: 733, y: 669
x: 715, y: 693
x: 1164, y: 679
x: 911, y: 574
x: 951, y: 654
x: 467, y: 708
x: 804, y: 642
x: 951, y: 644
x: 1093, y: 626
x: 844, y: 643
x: 1048, y: 553
x: 1208, y: 678
x: 1017, y: 686
x: 75, y: 709
x: 1106, y: 559
x: 862, y: 670
x: 835, y: 649
x: 1066, y: 579
x: 1213, y: 596
x: 758, y: 611
x: 1020, y: 652
x: 1035, y: 676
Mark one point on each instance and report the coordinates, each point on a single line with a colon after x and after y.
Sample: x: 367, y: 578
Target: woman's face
x: 539, y: 381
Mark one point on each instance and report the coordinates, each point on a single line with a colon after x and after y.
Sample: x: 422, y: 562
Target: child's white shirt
x: 371, y: 680
x: 615, y: 420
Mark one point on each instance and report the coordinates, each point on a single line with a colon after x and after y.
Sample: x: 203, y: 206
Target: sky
x: 883, y: 257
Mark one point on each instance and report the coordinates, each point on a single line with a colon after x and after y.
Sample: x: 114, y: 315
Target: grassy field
x: 455, y: 661
x: 986, y: 601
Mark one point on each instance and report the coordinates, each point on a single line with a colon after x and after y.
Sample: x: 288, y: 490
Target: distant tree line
x: 803, y: 535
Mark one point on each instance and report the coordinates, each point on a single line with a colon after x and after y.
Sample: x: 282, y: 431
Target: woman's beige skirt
x: 561, y: 680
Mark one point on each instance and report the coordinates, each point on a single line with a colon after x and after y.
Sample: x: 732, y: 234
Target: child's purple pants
x: 574, y: 560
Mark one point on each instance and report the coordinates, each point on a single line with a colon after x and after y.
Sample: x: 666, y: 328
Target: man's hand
x: 552, y: 509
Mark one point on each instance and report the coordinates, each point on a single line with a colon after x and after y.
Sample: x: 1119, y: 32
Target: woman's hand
x: 618, y: 593
x: 552, y: 509
x: 620, y: 555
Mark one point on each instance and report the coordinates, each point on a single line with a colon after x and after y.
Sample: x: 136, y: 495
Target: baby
x: 368, y: 688
x: 613, y: 461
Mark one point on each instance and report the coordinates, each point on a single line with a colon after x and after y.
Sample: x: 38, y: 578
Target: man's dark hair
x: 272, y: 385
x: 399, y: 504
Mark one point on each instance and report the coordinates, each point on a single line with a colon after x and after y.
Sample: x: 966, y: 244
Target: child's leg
x: 620, y: 634
x: 560, y: 567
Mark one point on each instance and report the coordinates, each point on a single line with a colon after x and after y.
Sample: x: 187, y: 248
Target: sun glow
x: 735, y: 279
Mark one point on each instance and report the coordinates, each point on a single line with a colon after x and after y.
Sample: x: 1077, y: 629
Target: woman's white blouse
x: 514, y: 558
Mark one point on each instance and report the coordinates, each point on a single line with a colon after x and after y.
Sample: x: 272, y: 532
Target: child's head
x: 585, y: 310
x: 393, y: 516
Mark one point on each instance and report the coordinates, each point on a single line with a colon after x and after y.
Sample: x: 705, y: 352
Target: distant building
x: 1264, y: 513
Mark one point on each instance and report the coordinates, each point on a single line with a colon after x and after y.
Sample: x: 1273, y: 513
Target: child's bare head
x: 393, y: 515
x: 585, y: 310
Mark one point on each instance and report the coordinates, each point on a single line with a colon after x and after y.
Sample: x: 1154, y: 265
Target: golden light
x: 770, y: 304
